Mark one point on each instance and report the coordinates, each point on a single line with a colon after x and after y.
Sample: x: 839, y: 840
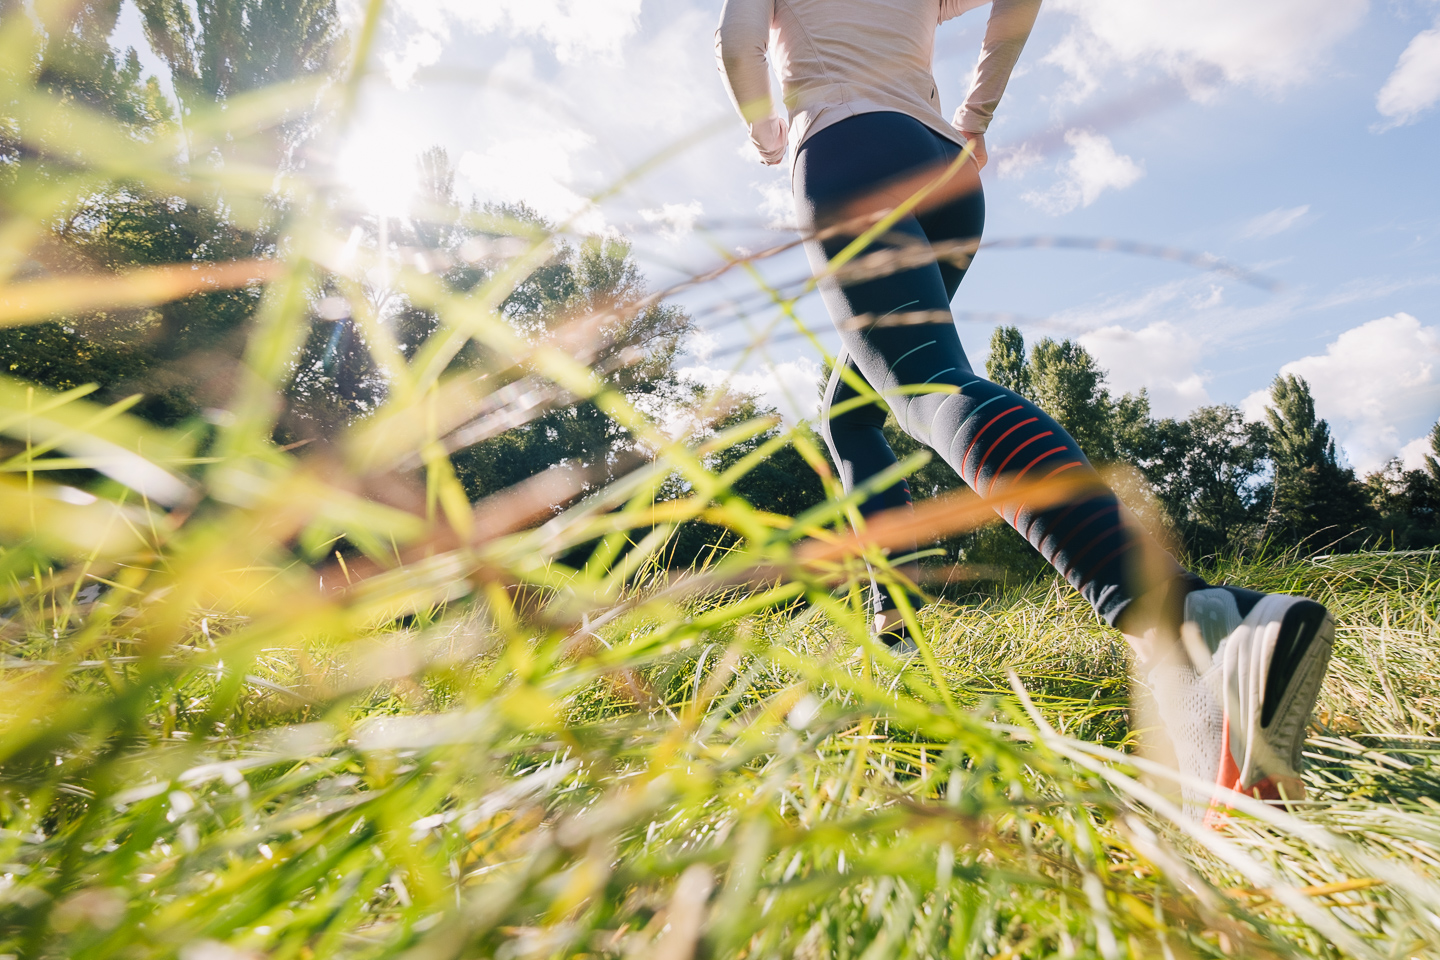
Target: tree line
x: 1212, y: 482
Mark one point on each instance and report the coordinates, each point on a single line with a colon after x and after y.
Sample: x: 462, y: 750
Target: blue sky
x: 1299, y: 138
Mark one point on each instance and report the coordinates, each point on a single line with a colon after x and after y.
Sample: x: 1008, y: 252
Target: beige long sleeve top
x: 840, y: 58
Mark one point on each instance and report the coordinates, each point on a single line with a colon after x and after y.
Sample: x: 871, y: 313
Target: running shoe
x: 1237, y: 696
x: 898, y: 639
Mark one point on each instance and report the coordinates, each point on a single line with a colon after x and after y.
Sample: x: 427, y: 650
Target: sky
x: 1299, y: 139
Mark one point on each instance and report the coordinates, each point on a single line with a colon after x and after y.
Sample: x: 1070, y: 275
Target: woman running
x: 1235, y: 673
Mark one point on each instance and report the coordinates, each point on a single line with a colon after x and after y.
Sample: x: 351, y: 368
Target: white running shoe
x: 1237, y: 698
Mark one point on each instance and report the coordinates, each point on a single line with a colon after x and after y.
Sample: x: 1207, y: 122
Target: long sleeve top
x: 840, y: 58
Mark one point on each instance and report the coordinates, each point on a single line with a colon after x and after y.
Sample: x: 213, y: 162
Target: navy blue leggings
x: 899, y: 336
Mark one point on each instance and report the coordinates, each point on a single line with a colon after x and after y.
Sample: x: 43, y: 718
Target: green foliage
x: 1066, y: 382
x: 781, y: 482
x: 633, y: 347
x: 1006, y: 364
x: 1408, y: 501
x: 184, y: 349
x: 1316, y: 501
x: 456, y: 741
x: 1206, y: 470
x: 1220, y: 483
x: 1070, y: 386
x: 218, y: 50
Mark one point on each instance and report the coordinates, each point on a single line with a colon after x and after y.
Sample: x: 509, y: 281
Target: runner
x: 1235, y: 673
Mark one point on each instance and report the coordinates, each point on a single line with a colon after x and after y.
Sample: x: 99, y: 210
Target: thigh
x: 896, y: 328
x: 954, y: 231
x: 843, y: 407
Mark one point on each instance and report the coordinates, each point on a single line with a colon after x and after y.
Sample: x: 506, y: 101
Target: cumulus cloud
x: 791, y: 387
x: 1413, y: 454
x: 1015, y: 162
x: 777, y: 204
x: 1271, y: 44
x: 1276, y: 221
x: 677, y: 220
x: 1378, y: 384
x: 537, y: 168
x: 1093, y: 168
x: 1414, y: 85
x: 555, y: 135
x: 1160, y: 358
x: 575, y: 29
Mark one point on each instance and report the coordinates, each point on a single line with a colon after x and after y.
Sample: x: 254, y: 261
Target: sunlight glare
x: 381, y: 175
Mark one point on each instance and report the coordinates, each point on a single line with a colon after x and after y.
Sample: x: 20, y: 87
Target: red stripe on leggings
x: 1078, y: 527
x: 1075, y: 560
x: 1101, y: 565
x: 998, y: 440
x: 1006, y: 462
x: 1060, y: 469
x: 981, y: 434
x: 1022, y: 473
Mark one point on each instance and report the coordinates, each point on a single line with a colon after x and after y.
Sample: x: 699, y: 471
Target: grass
x: 761, y: 786
x: 219, y: 742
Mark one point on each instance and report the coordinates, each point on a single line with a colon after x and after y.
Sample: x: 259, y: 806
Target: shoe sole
x: 1259, y: 758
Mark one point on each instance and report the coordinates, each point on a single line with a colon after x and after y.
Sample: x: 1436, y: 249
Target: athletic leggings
x: 897, y: 332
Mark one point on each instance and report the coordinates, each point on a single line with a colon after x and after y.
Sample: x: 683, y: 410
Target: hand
x: 770, y: 137
x: 977, y: 149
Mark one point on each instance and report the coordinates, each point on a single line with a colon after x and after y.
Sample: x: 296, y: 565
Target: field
x: 733, y: 782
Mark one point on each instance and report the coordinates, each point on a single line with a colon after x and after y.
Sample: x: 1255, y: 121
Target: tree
x: 1006, y: 364
x: 1206, y: 471
x: 228, y: 47
x: 1065, y: 381
x: 1316, y: 501
x: 1407, y: 502
x: 593, y: 297
x: 1432, y: 459
x: 178, y: 352
x: 782, y: 483
x: 1070, y: 386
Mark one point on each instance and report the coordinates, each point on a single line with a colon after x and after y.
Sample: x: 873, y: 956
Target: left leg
x: 855, y: 437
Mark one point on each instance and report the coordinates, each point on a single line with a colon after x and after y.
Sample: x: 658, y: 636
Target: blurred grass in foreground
x: 446, y: 742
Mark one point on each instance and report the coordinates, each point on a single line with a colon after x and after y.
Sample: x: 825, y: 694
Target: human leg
x: 854, y: 433
x: 987, y: 434
x: 1235, y: 673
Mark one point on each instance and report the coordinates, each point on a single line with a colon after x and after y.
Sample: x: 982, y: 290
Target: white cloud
x: 1376, y: 383
x: 554, y: 135
x: 1413, y: 454
x: 1276, y: 221
x: 792, y: 387
x: 536, y: 168
x: 1015, y: 162
x: 1161, y: 358
x: 777, y: 204
x: 1092, y: 169
x: 419, y: 50
x: 575, y: 29
x: 677, y: 220
x: 1414, y: 85
x: 1270, y: 44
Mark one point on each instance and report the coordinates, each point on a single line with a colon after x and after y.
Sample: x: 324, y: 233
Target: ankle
x: 890, y: 621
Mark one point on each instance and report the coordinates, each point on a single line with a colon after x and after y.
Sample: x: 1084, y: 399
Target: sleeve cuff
x: 770, y: 137
x: 967, y: 121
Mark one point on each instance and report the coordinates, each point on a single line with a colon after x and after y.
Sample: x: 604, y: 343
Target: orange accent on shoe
x: 1227, y: 778
x: 1266, y: 789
